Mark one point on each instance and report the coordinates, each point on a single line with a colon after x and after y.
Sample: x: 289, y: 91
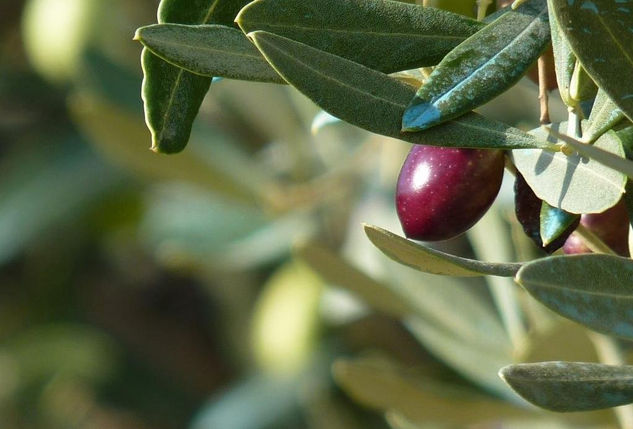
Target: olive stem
x: 543, y: 95
x: 593, y: 242
x: 482, y: 7
x: 610, y: 353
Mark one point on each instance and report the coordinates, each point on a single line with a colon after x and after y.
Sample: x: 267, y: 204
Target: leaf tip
x: 419, y: 116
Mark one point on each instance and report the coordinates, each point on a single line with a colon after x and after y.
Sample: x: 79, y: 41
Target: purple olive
x: 527, y: 207
x: 611, y: 226
x: 442, y: 192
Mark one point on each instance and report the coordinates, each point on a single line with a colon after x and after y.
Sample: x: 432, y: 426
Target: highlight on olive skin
x: 442, y: 192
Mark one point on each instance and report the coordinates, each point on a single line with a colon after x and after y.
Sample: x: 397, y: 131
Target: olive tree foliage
x: 416, y: 73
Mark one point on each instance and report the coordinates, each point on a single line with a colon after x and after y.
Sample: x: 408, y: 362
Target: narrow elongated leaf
x: 594, y: 290
x: 601, y: 37
x: 374, y: 101
x: 171, y: 95
x: 433, y: 261
x: 208, y: 50
x: 604, y: 115
x: 564, y: 58
x: 381, y: 34
x: 554, y: 222
x: 571, y: 386
x: 565, y: 181
x: 604, y: 157
x: 482, y: 67
x: 334, y: 269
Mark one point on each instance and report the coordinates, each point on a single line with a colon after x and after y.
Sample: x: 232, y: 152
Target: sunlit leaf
x: 482, y: 67
x: 208, y: 50
x: 565, y: 181
x: 433, y: 261
x: 374, y: 101
x: 571, y: 386
x: 601, y: 36
x: 383, y: 35
x: 592, y: 289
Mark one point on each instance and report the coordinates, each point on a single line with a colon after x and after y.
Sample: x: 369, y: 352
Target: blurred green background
x: 197, y: 290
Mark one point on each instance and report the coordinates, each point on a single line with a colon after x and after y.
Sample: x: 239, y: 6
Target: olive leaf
x: 482, y: 67
x: 592, y: 289
x: 604, y: 116
x: 172, y: 96
x: 208, y: 50
x: 565, y: 181
x: 433, y: 261
x: 374, y: 101
x: 571, y: 386
x: 600, y: 35
x: 388, y: 36
x: 564, y: 58
x: 554, y: 222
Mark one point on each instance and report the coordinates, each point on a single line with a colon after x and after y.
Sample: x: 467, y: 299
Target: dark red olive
x: 443, y: 191
x: 527, y: 207
x: 611, y: 226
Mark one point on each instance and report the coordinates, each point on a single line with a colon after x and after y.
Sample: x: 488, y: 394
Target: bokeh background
x: 229, y: 286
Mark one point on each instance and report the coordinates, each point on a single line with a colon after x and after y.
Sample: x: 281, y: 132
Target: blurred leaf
x: 571, y: 386
x: 565, y: 181
x: 208, y: 50
x: 383, y: 35
x: 601, y: 37
x: 41, y: 189
x: 433, y: 261
x: 604, y: 115
x: 172, y: 96
x: 604, y: 157
x: 482, y: 67
x: 337, y: 271
x: 554, y: 222
x: 384, y: 386
x: 117, y: 133
x: 374, y: 101
x: 592, y: 289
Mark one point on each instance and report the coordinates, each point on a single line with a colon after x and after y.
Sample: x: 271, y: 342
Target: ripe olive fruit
x: 611, y: 226
x: 527, y: 207
x: 442, y: 192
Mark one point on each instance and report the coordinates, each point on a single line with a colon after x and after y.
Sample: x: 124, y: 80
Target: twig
x: 543, y: 95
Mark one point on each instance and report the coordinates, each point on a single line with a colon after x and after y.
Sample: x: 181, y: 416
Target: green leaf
x: 564, y: 59
x: 334, y: 269
x: 592, y: 289
x: 383, y: 35
x: 605, y: 157
x: 553, y: 222
x: 571, y: 386
x: 172, y: 96
x: 482, y: 67
x: 582, y: 87
x: 433, y: 261
x: 208, y: 50
x: 565, y: 181
x: 374, y: 101
x: 383, y: 385
x: 604, y: 116
x: 601, y: 37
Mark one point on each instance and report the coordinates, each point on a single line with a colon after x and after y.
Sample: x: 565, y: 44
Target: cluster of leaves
x: 348, y: 58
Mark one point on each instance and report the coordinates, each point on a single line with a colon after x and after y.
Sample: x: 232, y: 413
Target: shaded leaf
x: 433, y: 261
x: 382, y: 385
x: 172, y: 96
x: 592, y: 289
x: 374, y: 101
x: 604, y: 115
x: 482, y: 67
x: 565, y: 181
x: 601, y: 37
x: 582, y: 88
x: 335, y: 270
x: 388, y: 36
x: 208, y: 50
x: 571, y: 386
x: 564, y: 58
x: 554, y: 222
